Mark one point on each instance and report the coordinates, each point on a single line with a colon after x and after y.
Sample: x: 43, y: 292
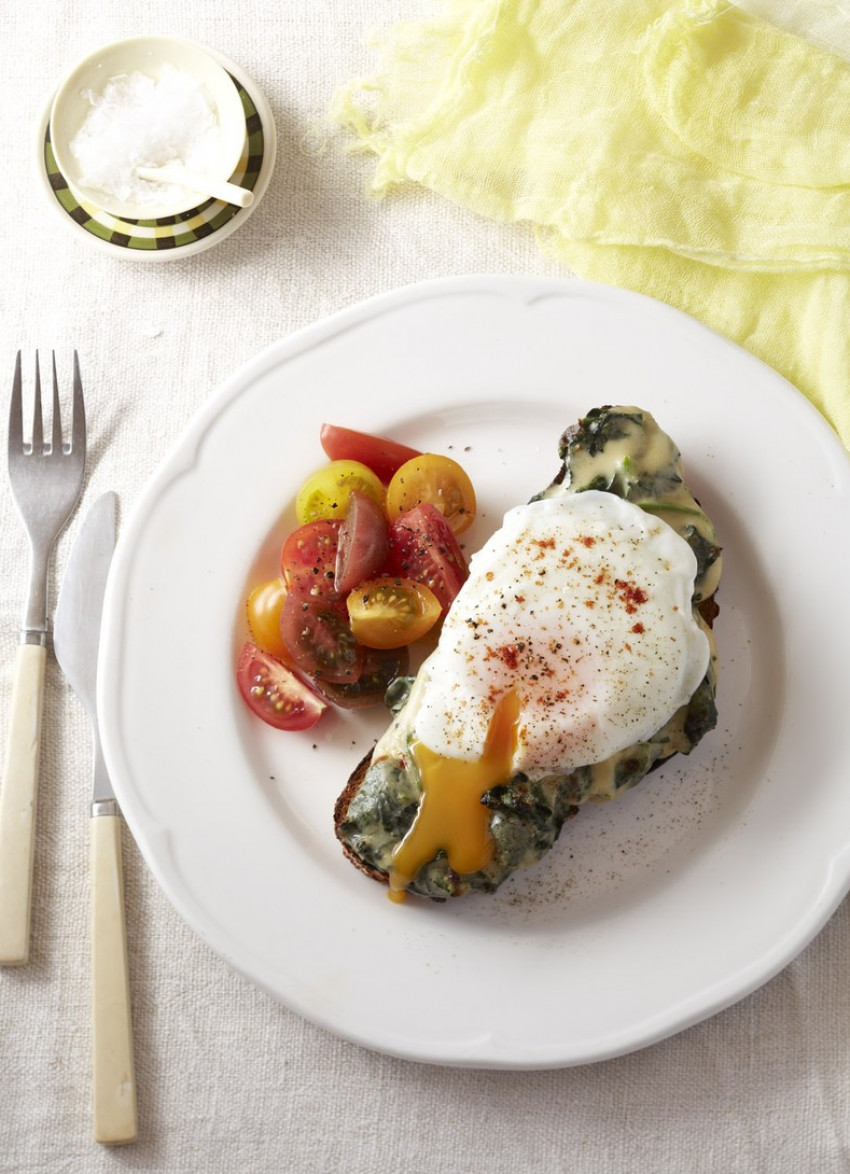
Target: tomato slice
x: 391, y: 612
x: 308, y: 558
x: 382, y: 456
x: 274, y: 693
x: 363, y: 545
x: 423, y: 547
x: 319, y: 638
x: 438, y: 480
x: 378, y: 670
x: 327, y: 492
x: 264, y: 606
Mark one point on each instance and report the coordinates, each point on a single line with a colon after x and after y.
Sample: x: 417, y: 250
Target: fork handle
x: 18, y: 796
x: 114, y: 1082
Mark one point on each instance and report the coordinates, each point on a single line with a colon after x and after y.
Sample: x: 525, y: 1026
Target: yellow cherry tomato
x: 264, y: 607
x: 390, y: 612
x: 435, y: 479
x: 326, y: 493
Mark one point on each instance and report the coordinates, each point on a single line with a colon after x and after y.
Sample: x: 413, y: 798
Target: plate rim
x: 282, y: 351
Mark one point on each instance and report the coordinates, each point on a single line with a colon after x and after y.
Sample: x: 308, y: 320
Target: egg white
x: 582, y: 603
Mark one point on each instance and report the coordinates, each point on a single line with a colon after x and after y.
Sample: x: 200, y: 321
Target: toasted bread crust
x: 341, y: 811
x: 709, y: 610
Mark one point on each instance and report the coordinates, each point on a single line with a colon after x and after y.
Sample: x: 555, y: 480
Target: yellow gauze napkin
x: 682, y: 148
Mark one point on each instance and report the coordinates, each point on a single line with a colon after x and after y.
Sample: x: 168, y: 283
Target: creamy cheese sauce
x: 644, y: 453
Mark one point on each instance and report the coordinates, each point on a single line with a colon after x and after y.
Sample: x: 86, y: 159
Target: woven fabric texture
x: 229, y: 1081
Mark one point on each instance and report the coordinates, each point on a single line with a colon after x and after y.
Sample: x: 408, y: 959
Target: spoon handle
x: 219, y: 189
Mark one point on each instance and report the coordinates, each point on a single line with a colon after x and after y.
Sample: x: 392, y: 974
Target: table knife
x: 76, y: 638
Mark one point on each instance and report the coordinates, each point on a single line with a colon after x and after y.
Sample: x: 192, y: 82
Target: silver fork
x: 46, y: 476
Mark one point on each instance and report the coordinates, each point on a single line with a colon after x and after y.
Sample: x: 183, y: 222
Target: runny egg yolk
x: 451, y: 816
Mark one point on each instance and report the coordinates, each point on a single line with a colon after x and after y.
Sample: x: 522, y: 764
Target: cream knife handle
x: 18, y: 796
x: 114, y: 1081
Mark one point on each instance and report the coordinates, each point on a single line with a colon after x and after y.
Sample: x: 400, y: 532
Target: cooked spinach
x: 596, y: 430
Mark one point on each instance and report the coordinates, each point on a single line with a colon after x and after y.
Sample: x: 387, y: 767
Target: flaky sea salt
x: 140, y: 121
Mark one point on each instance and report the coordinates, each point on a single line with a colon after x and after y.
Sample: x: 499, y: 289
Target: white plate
x: 651, y: 913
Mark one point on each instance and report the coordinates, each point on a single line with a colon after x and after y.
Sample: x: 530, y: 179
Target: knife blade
x: 76, y: 640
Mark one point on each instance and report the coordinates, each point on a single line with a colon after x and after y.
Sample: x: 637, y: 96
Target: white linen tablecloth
x: 230, y: 1081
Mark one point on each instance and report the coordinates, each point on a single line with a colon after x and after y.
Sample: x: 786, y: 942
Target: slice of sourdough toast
x: 618, y: 450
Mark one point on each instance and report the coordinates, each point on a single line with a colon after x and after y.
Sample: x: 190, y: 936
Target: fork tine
x: 16, y: 414
x: 37, y: 425
x: 45, y: 491
x: 56, y: 427
x: 78, y: 437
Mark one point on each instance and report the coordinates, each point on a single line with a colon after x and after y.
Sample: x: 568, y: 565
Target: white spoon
x: 219, y: 189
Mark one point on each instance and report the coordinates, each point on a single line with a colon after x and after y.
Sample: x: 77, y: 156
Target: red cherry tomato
x: 423, y: 547
x: 378, y: 669
x: 363, y: 547
x: 382, y: 456
x: 319, y: 638
x: 308, y: 558
x: 274, y: 693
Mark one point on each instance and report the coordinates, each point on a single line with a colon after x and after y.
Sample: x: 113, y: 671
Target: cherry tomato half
x: 274, y: 693
x: 423, y: 547
x: 264, y: 607
x: 382, y: 456
x: 363, y: 546
x: 378, y: 670
x: 308, y: 558
x: 319, y: 638
x: 438, y: 480
x: 327, y: 492
x: 391, y: 612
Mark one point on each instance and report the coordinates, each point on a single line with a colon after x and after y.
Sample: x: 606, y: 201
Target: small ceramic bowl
x: 148, y: 56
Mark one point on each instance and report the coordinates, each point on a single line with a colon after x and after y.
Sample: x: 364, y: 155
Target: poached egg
x: 573, y: 638
x: 581, y: 606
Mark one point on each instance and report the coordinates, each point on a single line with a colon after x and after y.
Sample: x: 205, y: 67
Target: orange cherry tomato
x: 435, y: 480
x: 264, y: 607
x: 391, y: 612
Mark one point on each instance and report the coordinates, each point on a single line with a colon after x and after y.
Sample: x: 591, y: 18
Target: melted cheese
x: 643, y: 450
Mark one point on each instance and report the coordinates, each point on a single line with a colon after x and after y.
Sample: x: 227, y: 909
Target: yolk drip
x: 451, y: 816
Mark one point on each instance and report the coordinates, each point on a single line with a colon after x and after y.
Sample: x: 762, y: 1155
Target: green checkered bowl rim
x: 167, y: 232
